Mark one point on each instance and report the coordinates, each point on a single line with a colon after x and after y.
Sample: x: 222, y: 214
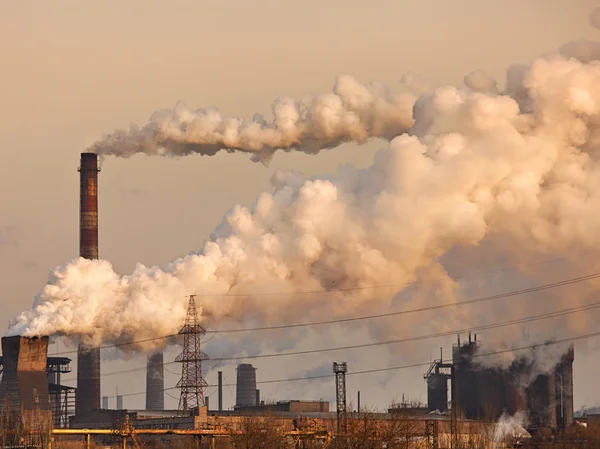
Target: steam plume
x: 352, y: 112
x: 483, y: 175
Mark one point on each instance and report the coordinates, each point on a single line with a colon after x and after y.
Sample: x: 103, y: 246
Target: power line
x: 414, y: 365
x: 403, y: 284
x: 421, y: 309
x: 388, y: 314
x: 512, y: 322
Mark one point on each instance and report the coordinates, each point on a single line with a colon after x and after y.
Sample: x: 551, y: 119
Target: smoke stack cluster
x: 473, y: 178
x: 88, y: 358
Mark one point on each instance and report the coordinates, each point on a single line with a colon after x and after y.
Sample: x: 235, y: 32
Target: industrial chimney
x: 155, y: 382
x: 88, y: 359
x: 24, y: 385
x: 245, y: 394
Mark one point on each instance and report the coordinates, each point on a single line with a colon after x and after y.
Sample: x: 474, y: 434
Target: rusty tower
x: 88, y: 359
x: 340, y: 370
x: 192, y: 384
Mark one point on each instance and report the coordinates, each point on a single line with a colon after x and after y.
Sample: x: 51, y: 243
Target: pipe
x: 358, y: 401
x: 88, y: 359
x: 220, y: 390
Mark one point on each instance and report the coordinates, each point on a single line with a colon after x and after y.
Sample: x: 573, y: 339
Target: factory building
x: 293, y: 406
x: 486, y: 393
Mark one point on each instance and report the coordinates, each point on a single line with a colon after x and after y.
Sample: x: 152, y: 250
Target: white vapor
x: 352, y: 112
x: 482, y: 175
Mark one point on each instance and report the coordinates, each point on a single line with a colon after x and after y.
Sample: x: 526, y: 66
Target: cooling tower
x: 88, y: 359
x: 155, y: 382
x: 24, y: 386
x: 245, y: 394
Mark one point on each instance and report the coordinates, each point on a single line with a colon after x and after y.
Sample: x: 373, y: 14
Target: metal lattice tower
x: 192, y: 384
x: 340, y: 370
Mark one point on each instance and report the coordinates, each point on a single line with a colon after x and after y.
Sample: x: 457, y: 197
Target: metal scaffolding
x: 192, y: 384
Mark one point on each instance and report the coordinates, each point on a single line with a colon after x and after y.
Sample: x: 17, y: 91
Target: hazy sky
x: 71, y: 71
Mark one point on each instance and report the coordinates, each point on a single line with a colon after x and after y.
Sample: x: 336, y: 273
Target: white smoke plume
x: 482, y: 177
x: 510, y: 430
x: 352, y: 112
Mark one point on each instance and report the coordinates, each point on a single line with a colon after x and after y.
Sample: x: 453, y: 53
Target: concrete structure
x: 245, y: 392
x: 24, y: 394
x: 155, y: 382
x: 88, y: 359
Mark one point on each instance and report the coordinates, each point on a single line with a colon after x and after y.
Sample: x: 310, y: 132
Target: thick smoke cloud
x: 352, y: 112
x: 483, y: 177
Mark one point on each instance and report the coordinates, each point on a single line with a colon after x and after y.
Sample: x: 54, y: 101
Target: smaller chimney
x: 358, y: 401
x: 105, y: 402
x: 220, y: 390
x: 207, y: 402
x: 257, y: 397
x: 120, y: 402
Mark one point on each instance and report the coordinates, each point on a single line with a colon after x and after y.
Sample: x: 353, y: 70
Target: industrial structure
x: 24, y: 395
x: 192, y: 384
x: 481, y: 392
x: 155, y: 382
x: 88, y: 359
x: 340, y: 369
x: 245, y: 387
x: 32, y: 395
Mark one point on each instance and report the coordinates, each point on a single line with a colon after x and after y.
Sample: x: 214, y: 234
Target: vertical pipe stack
x: 88, y: 359
x: 220, y: 389
x: 155, y: 382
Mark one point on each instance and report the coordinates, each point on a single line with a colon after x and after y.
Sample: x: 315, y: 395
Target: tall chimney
x: 88, y: 359
x: 155, y: 382
x: 220, y: 390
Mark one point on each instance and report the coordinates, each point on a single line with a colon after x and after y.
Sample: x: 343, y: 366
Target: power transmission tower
x: 340, y: 370
x: 192, y: 383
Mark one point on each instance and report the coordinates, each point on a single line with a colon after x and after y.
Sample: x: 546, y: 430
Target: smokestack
x: 155, y: 382
x: 245, y: 393
x: 220, y: 390
x: 105, y: 402
x: 257, y: 396
x: 24, y: 385
x: 24, y: 379
x: 88, y: 359
x: 358, y: 405
x: 120, y: 402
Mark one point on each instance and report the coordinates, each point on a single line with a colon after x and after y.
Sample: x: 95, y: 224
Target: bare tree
x: 259, y: 432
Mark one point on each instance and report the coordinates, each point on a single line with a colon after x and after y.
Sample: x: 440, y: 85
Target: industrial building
x: 482, y: 392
